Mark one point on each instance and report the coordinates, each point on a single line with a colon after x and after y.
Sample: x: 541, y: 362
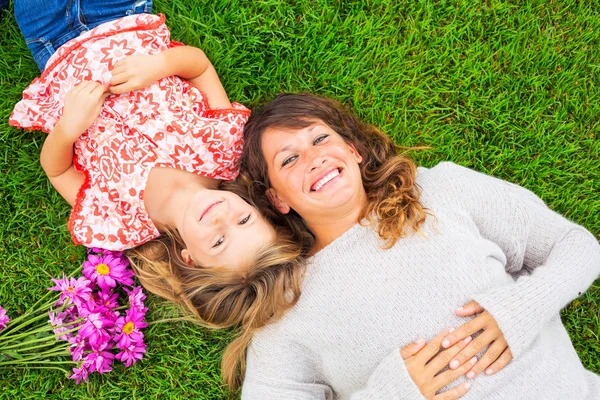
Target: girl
x: 428, y: 240
x: 140, y: 134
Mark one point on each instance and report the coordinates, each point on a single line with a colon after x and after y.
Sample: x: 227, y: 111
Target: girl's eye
x: 320, y: 139
x: 219, y: 242
x: 242, y: 222
x: 288, y: 160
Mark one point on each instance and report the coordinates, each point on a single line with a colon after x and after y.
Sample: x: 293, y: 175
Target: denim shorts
x: 47, y: 25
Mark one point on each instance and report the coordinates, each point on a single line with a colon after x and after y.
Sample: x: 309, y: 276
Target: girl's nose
x: 317, y: 161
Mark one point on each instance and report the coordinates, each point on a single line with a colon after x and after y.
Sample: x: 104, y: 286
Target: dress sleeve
x: 552, y: 259
x: 278, y: 369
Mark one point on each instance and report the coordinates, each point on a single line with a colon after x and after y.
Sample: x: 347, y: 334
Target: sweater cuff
x: 521, y: 309
x: 390, y: 380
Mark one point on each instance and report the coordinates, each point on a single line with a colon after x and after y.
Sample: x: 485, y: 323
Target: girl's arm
x: 190, y: 63
x: 82, y: 105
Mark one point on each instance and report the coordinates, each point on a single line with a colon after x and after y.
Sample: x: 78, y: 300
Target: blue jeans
x: 47, y: 25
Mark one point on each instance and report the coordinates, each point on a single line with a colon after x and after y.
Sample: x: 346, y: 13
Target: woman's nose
x: 219, y: 217
x: 317, y: 161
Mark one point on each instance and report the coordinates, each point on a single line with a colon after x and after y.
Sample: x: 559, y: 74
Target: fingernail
x: 454, y: 364
x: 489, y: 371
x: 468, y: 339
x: 470, y: 374
x: 420, y: 341
x: 468, y: 385
x: 446, y: 343
x: 451, y: 330
x: 460, y: 308
x: 473, y: 360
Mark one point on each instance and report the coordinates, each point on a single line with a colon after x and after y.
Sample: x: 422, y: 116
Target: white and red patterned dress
x: 167, y: 124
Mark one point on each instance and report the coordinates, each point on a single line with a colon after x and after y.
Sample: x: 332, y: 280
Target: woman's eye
x: 219, y: 242
x: 242, y: 222
x: 288, y: 160
x: 320, y: 139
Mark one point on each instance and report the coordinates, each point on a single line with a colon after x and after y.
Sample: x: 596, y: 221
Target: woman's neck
x: 327, y: 229
x: 168, y: 192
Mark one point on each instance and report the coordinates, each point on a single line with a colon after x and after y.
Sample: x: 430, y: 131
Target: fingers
x: 442, y: 359
x: 469, y: 309
x: 491, y: 355
x: 500, y: 363
x: 411, y: 349
x: 454, y: 393
x: 467, y: 329
x: 476, y: 345
x: 432, y: 348
x: 448, y: 376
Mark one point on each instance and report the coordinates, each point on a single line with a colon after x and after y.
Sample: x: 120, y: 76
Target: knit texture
x: 490, y: 241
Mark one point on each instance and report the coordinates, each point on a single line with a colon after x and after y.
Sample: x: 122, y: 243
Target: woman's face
x: 312, y: 170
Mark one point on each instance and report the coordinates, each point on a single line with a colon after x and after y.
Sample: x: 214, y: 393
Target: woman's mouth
x: 210, y: 207
x: 324, y: 180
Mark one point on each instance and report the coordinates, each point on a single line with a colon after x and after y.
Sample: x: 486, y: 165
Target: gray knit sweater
x: 490, y: 241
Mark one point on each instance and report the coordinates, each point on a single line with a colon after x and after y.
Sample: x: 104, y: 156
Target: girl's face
x: 220, y: 229
x: 312, y: 170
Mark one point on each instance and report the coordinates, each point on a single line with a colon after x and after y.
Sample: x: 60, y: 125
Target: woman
x: 429, y: 240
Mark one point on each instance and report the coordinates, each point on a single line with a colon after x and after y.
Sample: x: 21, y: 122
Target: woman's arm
x: 279, y: 369
x: 190, y: 63
x: 552, y: 259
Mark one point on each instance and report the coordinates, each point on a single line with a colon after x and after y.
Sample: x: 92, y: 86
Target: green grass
x: 505, y: 87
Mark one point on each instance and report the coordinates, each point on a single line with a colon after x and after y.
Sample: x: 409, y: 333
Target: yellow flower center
x: 128, y: 328
x: 102, y: 269
x: 70, y: 289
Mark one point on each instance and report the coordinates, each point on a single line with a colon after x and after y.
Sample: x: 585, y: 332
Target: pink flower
x: 78, y: 346
x: 57, y: 321
x: 129, y: 328
x: 130, y: 355
x: 107, y: 271
x: 95, y: 330
x: 100, y: 360
x: 80, y: 373
x: 102, y: 302
x: 3, y: 318
x: 136, y: 298
x: 76, y: 290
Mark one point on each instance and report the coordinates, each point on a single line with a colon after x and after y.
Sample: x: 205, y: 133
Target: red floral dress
x: 168, y: 124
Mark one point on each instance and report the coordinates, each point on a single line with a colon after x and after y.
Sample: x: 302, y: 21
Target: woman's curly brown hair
x: 393, y: 206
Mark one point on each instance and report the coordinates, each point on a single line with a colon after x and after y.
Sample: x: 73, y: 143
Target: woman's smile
x: 326, y: 179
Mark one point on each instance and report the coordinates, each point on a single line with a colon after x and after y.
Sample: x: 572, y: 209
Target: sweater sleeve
x: 552, y: 259
x: 279, y: 369
x: 390, y: 380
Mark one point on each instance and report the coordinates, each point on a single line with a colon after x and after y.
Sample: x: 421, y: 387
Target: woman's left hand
x: 496, y: 357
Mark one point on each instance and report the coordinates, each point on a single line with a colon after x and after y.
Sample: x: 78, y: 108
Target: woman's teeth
x: 319, y: 184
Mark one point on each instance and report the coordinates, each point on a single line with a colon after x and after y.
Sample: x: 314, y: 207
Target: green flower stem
x: 39, y: 346
x: 17, y: 362
x: 14, y: 328
x: 47, y: 338
x: 38, y: 356
x: 45, y: 328
x: 33, y: 309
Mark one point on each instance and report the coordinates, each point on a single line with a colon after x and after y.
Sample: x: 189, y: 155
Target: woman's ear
x: 277, y: 201
x: 354, y: 152
x: 187, y: 257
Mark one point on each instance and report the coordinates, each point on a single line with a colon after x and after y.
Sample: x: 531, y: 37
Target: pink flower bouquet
x: 87, y: 328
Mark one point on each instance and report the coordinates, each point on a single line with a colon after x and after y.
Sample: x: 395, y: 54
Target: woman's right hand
x: 82, y: 106
x: 425, y: 373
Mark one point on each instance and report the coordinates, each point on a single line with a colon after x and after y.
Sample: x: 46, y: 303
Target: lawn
x: 510, y: 88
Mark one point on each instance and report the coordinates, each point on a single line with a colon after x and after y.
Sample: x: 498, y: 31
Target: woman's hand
x: 424, y: 365
x: 136, y: 72
x: 496, y: 356
x: 82, y: 106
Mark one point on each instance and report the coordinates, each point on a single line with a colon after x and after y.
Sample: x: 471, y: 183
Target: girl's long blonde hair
x: 247, y: 297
